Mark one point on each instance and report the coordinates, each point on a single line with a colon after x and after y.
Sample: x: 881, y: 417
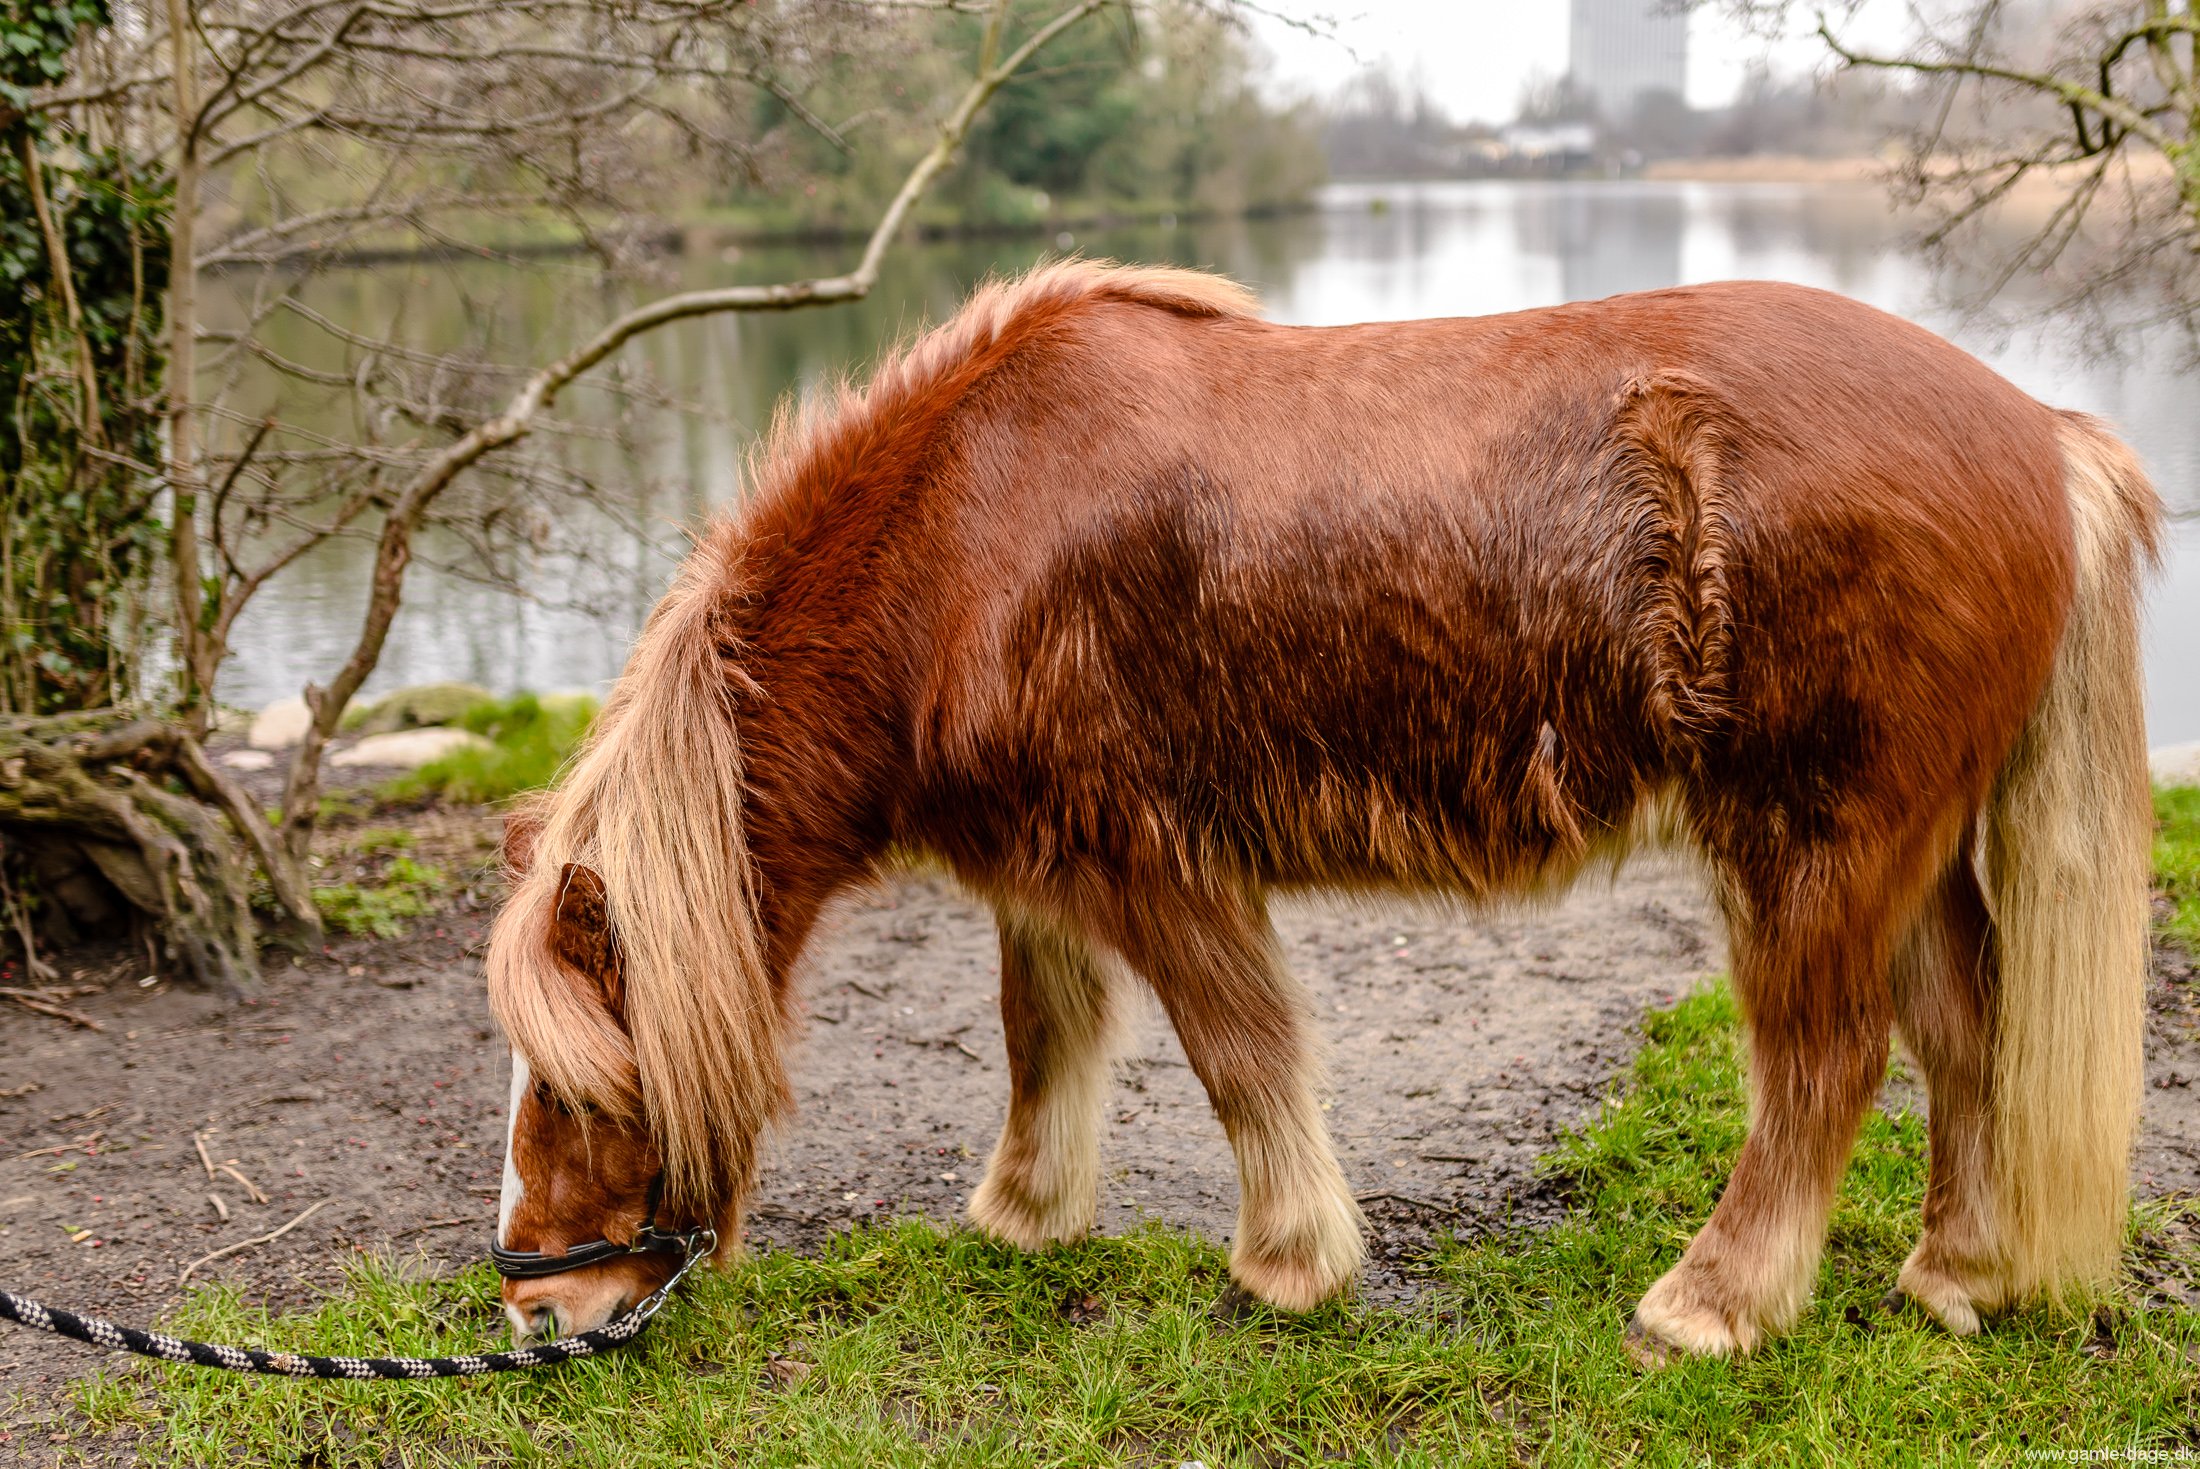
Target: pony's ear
x: 522, y: 825
x: 580, y: 936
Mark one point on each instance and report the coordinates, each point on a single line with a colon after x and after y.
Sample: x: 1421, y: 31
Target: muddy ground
x: 368, y: 1080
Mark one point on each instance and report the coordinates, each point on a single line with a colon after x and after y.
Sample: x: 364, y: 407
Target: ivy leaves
x: 35, y: 40
x: 79, y: 529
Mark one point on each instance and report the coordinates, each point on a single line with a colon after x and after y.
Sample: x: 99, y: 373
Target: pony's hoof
x: 1673, y: 1320
x: 1299, y: 1263
x: 1648, y: 1350
x: 1290, y: 1285
x: 1937, y: 1296
x: 1007, y: 1215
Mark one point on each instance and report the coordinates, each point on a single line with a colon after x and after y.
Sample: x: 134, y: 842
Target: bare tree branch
x: 394, y: 548
x: 2053, y: 135
x: 2071, y: 93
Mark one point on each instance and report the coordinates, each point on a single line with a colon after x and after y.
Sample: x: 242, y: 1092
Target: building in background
x: 1620, y: 51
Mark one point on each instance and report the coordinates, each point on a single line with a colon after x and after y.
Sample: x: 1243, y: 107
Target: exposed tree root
x: 104, y: 806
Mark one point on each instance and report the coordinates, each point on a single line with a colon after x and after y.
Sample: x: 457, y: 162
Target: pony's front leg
x: 1810, y: 972
x: 1246, y: 1027
x: 1042, y: 1183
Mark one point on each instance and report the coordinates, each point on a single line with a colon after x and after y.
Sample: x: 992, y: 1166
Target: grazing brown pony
x: 1131, y: 609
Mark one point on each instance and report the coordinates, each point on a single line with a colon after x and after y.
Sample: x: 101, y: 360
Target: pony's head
x: 579, y: 1168
x: 627, y: 972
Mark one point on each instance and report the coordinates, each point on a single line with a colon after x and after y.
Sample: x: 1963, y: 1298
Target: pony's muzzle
x: 533, y: 1323
x: 566, y: 1305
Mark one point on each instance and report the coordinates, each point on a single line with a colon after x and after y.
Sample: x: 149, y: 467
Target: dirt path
x: 1458, y: 1047
x: 370, y: 1080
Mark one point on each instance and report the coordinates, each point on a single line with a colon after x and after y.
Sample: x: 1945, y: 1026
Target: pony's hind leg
x: 1246, y: 1027
x: 1943, y: 996
x: 1042, y: 1183
x: 1810, y: 953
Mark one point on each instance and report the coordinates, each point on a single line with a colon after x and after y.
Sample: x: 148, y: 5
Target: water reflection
x: 1372, y: 252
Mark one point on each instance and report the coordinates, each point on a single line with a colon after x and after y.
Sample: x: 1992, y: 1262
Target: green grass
x: 905, y: 1343
x: 386, y: 909
x: 377, y: 841
x: 529, y: 737
x: 2177, y: 859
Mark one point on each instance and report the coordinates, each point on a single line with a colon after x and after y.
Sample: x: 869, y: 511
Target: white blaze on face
x: 509, y: 1199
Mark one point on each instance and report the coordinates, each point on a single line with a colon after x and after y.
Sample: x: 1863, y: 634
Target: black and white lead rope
x: 90, y: 1329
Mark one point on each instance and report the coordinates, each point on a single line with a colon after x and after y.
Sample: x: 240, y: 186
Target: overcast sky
x: 1473, y: 56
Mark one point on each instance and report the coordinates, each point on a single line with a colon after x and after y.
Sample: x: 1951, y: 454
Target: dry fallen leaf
x: 1082, y: 1310
x: 786, y: 1371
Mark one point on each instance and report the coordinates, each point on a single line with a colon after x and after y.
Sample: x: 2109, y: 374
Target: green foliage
x: 386, y: 909
x: 530, y: 737
x: 1137, y: 111
x: 2177, y: 859
x: 34, y: 46
x: 902, y: 1343
x: 79, y: 535
x: 1046, y: 127
x: 1159, y: 109
x: 415, y: 708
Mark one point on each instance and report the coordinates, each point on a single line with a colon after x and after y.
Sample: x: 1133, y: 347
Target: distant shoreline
x: 720, y: 231
x: 1754, y: 168
x: 1766, y: 168
x: 705, y: 234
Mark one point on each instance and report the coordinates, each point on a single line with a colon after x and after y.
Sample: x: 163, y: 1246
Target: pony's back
x: 1447, y: 602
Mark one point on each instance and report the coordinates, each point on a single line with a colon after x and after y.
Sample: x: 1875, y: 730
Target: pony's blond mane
x: 652, y: 804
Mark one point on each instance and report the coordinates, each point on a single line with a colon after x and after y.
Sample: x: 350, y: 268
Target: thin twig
x: 1393, y: 1196
x: 19, y: 910
x: 83, y: 1143
x: 245, y: 1244
x: 431, y: 1224
x: 31, y: 1001
x: 252, y: 1189
x: 204, y: 1161
x: 84, y: 1116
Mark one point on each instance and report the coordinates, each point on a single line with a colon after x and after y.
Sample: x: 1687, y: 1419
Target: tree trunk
x: 195, y: 662
x: 64, y: 279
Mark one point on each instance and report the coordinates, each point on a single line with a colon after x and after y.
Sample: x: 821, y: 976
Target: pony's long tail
x: 2066, y: 865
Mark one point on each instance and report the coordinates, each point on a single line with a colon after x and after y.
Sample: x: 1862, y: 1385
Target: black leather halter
x: 648, y: 1240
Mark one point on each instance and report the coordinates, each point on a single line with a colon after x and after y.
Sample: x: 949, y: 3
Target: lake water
x: 1370, y: 252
